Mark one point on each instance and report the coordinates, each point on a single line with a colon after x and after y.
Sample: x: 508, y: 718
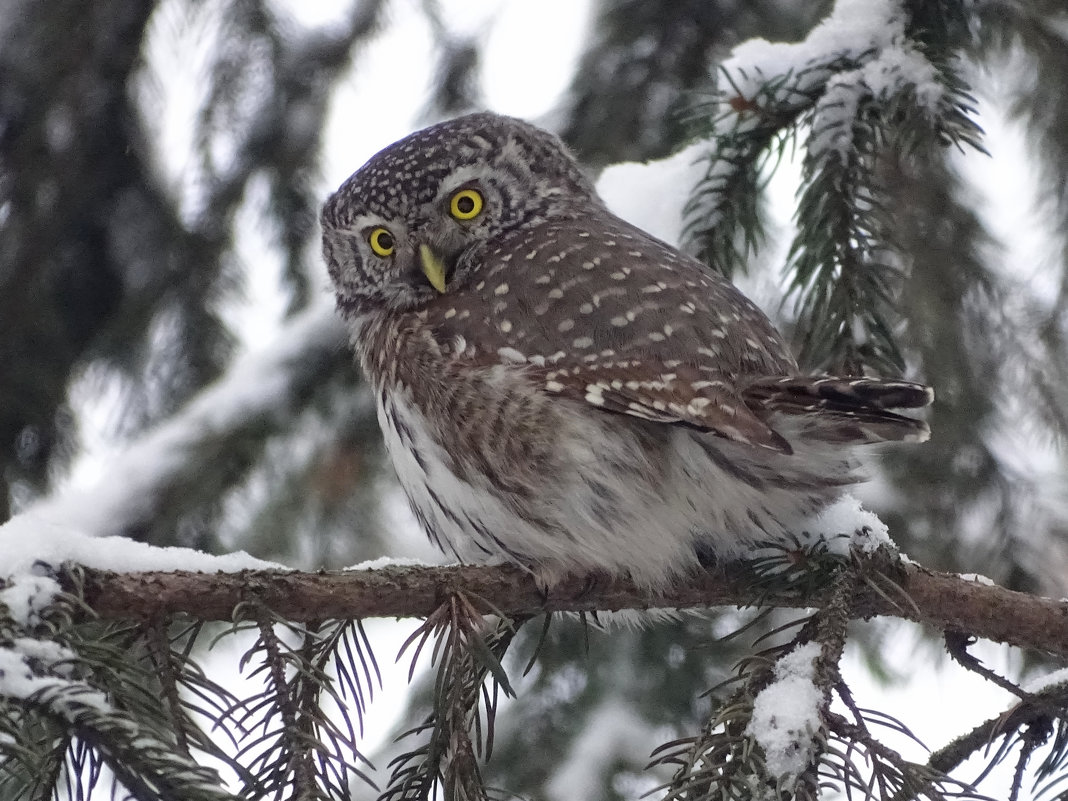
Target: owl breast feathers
x: 559, y: 389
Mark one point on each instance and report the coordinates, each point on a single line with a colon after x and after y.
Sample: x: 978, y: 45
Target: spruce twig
x: 467, y: 650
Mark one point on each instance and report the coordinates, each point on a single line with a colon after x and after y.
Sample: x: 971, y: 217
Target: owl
x: 561, y: 390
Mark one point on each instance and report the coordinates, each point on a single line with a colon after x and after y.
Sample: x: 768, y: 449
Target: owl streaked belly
x: 643, y: 501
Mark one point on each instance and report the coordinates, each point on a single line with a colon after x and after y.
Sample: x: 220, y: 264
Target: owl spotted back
x: 559, y: 388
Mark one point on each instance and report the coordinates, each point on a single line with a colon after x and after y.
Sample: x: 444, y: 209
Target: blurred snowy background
x: 161, y: 168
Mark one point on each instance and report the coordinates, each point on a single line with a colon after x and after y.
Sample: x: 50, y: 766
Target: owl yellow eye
x: 381, y: 242
x: 466, y: 204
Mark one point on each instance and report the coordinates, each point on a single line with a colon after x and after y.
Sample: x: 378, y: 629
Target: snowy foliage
x: 786, y: 714
x: 859, y: 81
x: 874, y: 92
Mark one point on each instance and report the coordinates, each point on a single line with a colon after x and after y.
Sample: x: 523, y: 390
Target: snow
x: 19, y: 680
x: 26, y: 596
x: 867, y: 33
x: 1040, y: 683
x: 978, y: 578
x: 45, y: 652
x: 30, y: 547
x: 74, y: 524
x: 903, y: 66
x: 383, y: 562
x: 652, y: 195
x: 846, y: 525
x: 886, y: 75
x: 859, y: 51
x: 786, y: 713
x: 25, y: 544
x: 854, y: 29
x: 832, y: 127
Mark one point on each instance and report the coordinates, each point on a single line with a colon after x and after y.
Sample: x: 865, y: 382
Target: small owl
x: 561, y: 390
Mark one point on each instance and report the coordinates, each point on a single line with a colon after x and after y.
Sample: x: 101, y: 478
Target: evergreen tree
x: 114, y: 279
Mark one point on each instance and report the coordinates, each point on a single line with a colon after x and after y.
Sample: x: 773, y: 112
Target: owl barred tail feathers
x: 846, y: 410
x: 562, y: 390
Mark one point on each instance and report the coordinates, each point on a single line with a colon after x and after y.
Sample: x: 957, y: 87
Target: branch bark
x: 943, y: 600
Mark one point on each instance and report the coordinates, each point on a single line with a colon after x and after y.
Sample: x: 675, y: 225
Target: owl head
x: 414, y: 220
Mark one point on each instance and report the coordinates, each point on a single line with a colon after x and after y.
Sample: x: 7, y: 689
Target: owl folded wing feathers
x: 845, y: 410
x: 664, y: 392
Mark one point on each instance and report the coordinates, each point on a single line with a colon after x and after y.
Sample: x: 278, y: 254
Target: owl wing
x: 627, y: 324
x: 663, y: 392
x: 833, y: 409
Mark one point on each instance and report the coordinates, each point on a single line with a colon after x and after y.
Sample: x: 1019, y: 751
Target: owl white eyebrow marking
x: 462, y: 177
x: 363, y: 224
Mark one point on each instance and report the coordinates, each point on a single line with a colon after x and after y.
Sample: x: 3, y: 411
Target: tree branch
x: 943, y: 600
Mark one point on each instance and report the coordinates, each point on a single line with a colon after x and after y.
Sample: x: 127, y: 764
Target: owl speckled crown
x: 423, y: 159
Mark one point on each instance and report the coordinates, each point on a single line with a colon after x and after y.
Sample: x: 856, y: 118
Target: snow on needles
x: 860, y: 50
x: 18, y: 679
x: 30, y: 548
x: 845, y: 525
x: 786, y: 713
x: 1041, y: 683
x: 73, y: 524
x: 256, y: 387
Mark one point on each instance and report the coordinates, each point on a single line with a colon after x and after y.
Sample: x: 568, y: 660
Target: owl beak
x: 433, y: 267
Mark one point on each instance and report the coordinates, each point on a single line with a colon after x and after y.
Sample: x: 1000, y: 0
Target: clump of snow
x: 30, y: 548
x: 629, y: 190
x: 903, y: 66
x: 19, y: 680
x: 29, y: 667
x: 26, y: 596
x: 832, y: 127
x: 978, y: 578
x: 56, y: 657
x: 857, y: 30
x: 1040, y: 683
x: 389, y: 561
x: 846, y: 525
x: 786, y: 713
x: 26, y: 542
x: 867, y: 33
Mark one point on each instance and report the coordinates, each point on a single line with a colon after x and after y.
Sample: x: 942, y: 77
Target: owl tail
x: 844, y: 410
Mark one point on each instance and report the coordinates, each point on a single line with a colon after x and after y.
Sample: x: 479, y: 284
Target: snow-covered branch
x: 261, y: 392
x: 944, y: 600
